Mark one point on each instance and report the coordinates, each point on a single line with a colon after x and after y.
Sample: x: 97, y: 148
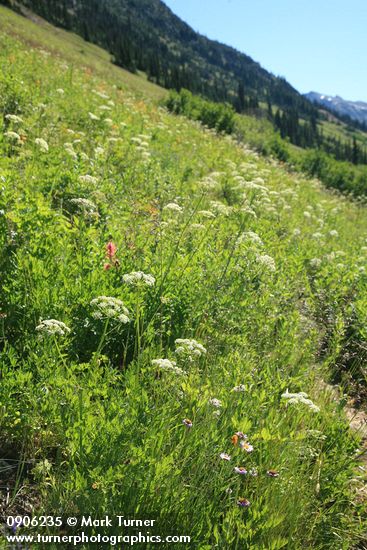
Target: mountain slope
x: 239, y: 280
x: 355, y: 110
x: 146, y: 34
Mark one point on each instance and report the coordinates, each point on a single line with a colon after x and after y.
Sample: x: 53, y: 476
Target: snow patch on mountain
x: 356, y: 110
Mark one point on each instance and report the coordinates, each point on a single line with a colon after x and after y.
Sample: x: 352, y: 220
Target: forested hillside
x: 145, y: 35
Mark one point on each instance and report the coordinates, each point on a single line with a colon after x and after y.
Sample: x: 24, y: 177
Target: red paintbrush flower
x: 111, y: 250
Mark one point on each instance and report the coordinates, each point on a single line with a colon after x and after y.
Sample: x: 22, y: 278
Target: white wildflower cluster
x: 250, y: 236
x: 215, y: 402
x: 85, y: 206
x: 239, y: 389
x: 317, y: 235
x: 101, y: 94
x: 142, y: 145
x: 316, y: 263
x: 246, y: 209
x: 169, y: 366
x: 267, y: 261
x: 137, y: 277
x: 211, y: 181
x: 106, y: 307
x: 92, y: 116
x: 253, y: 186
x: 173, y: 207
x: 239, y: 179
x: 206, y: 214
x: 220, y: 208
x: 70, y: 150
x: 87, y: 178
x: 42, y: 144
x: 12, y: 136
x: 52, y: 327
x: 300, y: 397
x: 189, y: 348
x: 14, y: 118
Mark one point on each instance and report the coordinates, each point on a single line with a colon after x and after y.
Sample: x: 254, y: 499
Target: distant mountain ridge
x: 356, y: 110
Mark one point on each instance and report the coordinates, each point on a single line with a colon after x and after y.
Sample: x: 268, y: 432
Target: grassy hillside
x: 171, y: 305
x: 76, y: 51
x: 147, y: 35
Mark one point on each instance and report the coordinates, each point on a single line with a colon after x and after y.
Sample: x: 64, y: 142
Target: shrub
x: 214, y: 115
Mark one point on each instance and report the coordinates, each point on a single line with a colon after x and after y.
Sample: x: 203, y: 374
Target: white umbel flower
x: 42, y: 144
x: 300, y: 397
x: 206, y: 214
x: 85, y: 205
x: 215, y: 402
x: 14, y: 118
x: 250, y: 236
x: 136, y: 277
x: 168, y: 365
x: 87, y: 178
x: 315, y: 262
x: 92, y: 116
x: 13, y: 136
x: 107, y: 307
x: 266, y: 261
x: 239, y: 389
x: 51, y: 327
x: 173, y: 206
x: 189, y: 348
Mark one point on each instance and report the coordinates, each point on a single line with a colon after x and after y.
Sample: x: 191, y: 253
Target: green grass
x: 262, y: 267
x: 343, y: 132
x: 75, y: 50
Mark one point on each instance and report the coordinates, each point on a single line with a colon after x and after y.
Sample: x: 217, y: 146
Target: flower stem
x: 101, y: 342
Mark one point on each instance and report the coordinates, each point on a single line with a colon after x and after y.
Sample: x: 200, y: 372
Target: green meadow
x: 174, y: 309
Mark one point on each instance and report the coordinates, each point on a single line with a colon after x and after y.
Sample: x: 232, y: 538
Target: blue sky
x: 318, y: 45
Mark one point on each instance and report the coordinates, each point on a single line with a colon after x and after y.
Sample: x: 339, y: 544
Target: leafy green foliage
x: 342, y: 176
x: 213, y: 115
